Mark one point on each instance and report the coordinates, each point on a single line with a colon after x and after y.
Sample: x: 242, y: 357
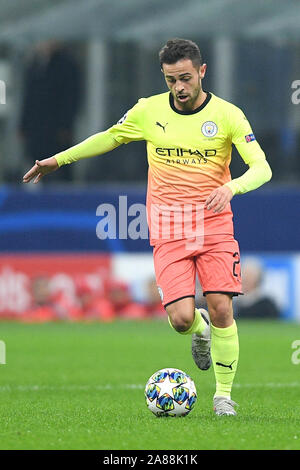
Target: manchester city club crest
x: 209, y: 129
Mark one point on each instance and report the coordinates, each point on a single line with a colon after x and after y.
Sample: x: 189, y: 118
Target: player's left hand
x: 218, y: 199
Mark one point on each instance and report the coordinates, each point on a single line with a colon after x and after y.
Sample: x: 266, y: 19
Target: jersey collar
x: 205, y: 102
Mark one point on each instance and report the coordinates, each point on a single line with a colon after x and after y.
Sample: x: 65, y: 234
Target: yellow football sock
x: 225, y: 355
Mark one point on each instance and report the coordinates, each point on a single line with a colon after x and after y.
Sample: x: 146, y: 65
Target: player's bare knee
x: 181, y: 313
x: 180, y: 319
x: 181, y: 322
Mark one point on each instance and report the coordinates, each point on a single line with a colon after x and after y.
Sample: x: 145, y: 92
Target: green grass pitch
x: 81, y: 386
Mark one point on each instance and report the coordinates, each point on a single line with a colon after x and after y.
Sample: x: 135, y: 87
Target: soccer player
x: 189, y: 134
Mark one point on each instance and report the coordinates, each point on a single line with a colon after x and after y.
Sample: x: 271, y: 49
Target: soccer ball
x: 170, y: 392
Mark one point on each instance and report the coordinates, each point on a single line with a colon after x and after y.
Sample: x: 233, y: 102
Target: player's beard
x: 189, y: 104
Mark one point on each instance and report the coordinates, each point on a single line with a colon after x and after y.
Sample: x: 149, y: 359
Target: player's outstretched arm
x: 41, y: 168
x: 97, y: 144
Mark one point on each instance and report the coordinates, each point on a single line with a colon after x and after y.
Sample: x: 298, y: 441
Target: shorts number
x: 235, y: 263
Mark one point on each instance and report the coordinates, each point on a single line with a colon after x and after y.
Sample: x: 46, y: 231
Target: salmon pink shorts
x: 216, y: 262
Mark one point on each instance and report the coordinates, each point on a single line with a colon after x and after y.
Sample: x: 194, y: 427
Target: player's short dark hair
x: 178, y: 49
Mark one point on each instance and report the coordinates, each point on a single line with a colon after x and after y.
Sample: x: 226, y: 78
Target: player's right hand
x: 41, y: 168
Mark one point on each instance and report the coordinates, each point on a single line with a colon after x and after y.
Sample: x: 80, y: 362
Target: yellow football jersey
x: 189, y: 153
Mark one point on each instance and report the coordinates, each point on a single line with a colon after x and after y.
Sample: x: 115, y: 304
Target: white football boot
x: 224, y: 406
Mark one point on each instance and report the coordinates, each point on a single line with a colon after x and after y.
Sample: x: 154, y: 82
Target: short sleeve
x: 243, y: 137
x: 130, y: 127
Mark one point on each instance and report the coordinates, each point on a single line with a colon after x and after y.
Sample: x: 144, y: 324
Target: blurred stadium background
x: 69, y: 69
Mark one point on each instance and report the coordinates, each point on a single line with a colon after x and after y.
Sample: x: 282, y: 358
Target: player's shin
x: 225, y: 354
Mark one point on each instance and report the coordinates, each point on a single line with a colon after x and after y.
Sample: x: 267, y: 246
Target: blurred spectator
x: 87, y: 304
x: 124, y: 306
x: 50, y: 103
x: 153, y: 304
x: 42, y: 307
x: 254, y: 303
x: 92, y: 304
